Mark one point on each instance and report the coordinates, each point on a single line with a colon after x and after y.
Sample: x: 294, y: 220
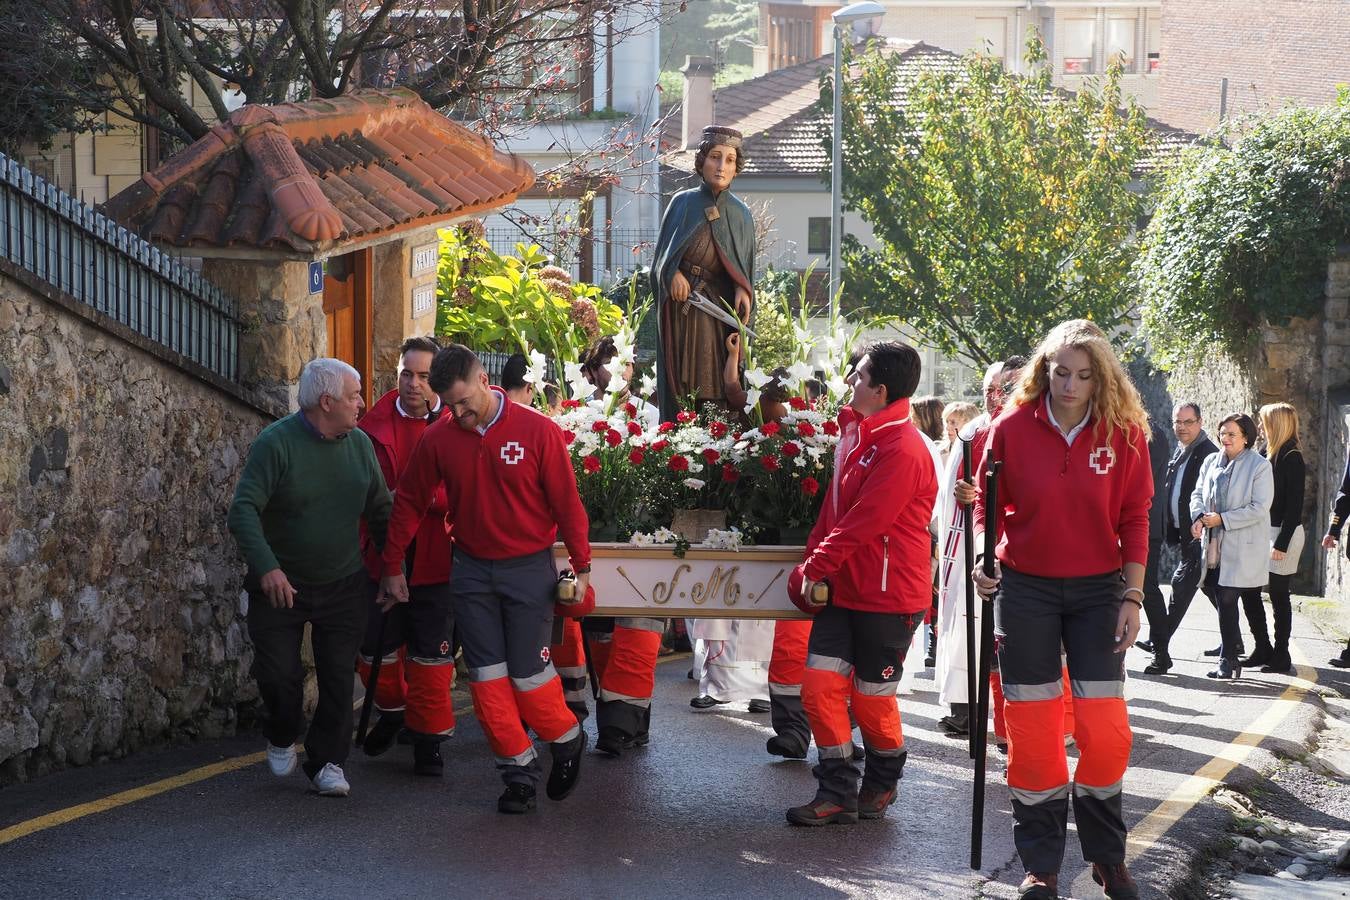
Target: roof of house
x: 309, y: 176
x: 792, y: 145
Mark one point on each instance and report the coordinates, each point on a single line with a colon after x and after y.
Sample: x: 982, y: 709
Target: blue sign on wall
x: 316, y: 277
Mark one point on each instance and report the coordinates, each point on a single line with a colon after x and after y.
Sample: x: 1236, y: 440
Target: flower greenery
x: 1242, y: 234
x: 515, y: 303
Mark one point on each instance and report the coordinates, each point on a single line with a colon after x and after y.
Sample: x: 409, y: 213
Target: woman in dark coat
x: 706, y: 245
x: 1279, y: 424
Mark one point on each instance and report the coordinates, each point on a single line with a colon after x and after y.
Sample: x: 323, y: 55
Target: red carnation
x: 730, y: 472
x: 630, y: 409
x: 791, y: 449
x: 666, y: 427
x: 797, y: 403
x: 769, y: 462
x: 806, y: 429
x: 769, y: 429
x: 736, y: 436
x: 591, y: 464
x: 636, y: 457
x: 613, y: 438
x: 710, y: 455
x: 678, y: 463
x: 831, y: 428
x: 810, y: 487
x: 599, y: 425
x: 634, y: 429
x: 716, y: 428
x: 684, y: 417
x: 571, y: 404
x: 660, y: 445
x: 569, y: 437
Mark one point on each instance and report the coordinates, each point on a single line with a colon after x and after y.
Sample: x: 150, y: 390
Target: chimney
x: 698, y: 98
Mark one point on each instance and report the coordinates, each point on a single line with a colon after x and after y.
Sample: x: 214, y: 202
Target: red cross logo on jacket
x: 512, y: 453
x: 1102, y: 459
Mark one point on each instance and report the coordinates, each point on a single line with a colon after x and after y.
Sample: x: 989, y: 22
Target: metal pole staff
x: 968, y: 519
x: 979, y: 730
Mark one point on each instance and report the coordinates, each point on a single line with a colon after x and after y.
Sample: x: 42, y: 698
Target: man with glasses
x: 1193, y: 445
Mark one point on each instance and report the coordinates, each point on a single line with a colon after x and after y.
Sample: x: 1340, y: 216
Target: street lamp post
x: 843, y: 23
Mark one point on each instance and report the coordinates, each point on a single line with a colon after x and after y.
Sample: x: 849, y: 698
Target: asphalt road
x: 697, y: 813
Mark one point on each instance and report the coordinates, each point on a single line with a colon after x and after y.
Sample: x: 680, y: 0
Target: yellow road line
x: 1209, y: 776
x: 70, y: 814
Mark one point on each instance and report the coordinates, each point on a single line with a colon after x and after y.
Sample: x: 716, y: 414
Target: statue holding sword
x: 703, y: 276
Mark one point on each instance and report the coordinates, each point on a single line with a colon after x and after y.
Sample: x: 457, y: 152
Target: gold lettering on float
x: 720, y: 586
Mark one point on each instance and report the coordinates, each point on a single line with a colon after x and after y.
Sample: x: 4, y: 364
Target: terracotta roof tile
x: 310, y: 176
x: 792, y: 145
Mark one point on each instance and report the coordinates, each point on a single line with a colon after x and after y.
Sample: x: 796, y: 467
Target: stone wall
x: 121, y: 615
x: 1303, y: 363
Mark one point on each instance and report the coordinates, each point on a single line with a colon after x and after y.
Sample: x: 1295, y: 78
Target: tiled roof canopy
x: 309, y: 176
x: 793, y: 146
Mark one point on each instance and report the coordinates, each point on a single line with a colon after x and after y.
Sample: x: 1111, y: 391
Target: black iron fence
x: 85, y: 254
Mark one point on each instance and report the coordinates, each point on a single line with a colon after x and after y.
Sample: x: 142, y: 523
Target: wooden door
x: 347, y: 309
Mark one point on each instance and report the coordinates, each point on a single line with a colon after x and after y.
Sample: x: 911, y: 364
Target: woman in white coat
x: 1230, y: 514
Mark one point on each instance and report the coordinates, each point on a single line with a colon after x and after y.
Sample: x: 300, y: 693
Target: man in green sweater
x: 309, y: 480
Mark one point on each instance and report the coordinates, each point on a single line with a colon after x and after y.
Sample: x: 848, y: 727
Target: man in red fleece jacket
x: 413, y: 690
x: 510, y: 492
x: 871, y: 546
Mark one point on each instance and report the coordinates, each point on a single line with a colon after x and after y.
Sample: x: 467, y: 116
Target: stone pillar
x: 404, y: 299
x: 284, y: 324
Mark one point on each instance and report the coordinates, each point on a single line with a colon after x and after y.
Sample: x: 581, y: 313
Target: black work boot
x: 427, y: 757
x: 881, y: 778
x: 822, y: 811
x: 1342, y: 661
x: 518, y: 798
x: 1161, y: 665
x: 562, y: 778
x: 786, y: 746
x: 1279, y: 662
x: 380, y: 738
x: 957, y: 724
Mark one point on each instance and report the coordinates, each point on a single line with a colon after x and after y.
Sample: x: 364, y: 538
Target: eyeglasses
x: 1185, y: 423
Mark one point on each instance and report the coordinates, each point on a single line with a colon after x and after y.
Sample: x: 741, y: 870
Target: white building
x: 601, y: 215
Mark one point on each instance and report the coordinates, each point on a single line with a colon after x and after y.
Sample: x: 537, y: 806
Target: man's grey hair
x: 323, y: 376
x: 995, y: 369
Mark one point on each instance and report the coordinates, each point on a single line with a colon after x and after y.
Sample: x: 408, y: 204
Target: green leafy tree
x: 1000, y: 205
x: 1242, y: 234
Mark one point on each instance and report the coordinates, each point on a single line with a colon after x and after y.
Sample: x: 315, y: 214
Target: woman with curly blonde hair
x: 1073, y: 502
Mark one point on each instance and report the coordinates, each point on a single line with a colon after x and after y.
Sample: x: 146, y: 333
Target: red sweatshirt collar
x: 894, y: 414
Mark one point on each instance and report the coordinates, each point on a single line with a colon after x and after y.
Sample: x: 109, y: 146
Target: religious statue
x: 703, y: 277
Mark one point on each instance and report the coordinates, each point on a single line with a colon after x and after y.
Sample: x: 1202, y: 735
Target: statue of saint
x: 705, y: 252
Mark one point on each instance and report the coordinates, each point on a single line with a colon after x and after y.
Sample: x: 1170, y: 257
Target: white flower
x: 665, y: 536
x: 641, y: 539
x: 798, y: 372
x: 751, y: 399
x: 647, y: 386
x: 694, y: 484
x: 534, y: 372
x: 756, y: 378
x: 617, y: 367
x: 802, y: 336
x: 577, y: 382
x: 837, y: 386
x: 719, y: 539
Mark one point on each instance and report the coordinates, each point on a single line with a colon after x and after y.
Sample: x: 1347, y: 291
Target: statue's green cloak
x: 733, y: 231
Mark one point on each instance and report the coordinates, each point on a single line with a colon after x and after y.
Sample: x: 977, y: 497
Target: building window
x: 991, y: 37
x: 1080, y: 46
x: 1120, y: 41
x: 818, y: 234
x: 1153, y: 42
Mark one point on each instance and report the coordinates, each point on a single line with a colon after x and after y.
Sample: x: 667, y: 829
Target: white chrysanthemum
x: 694, y: 484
